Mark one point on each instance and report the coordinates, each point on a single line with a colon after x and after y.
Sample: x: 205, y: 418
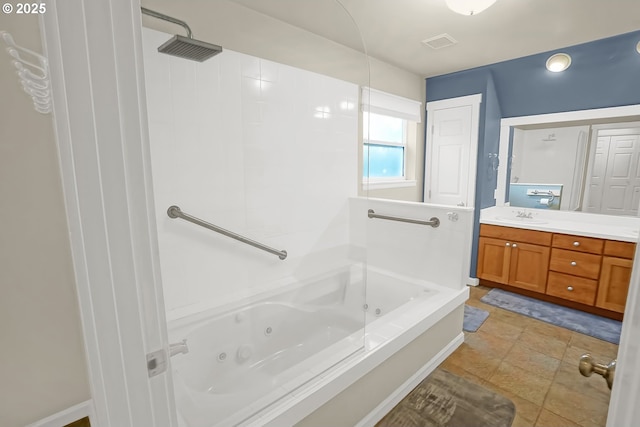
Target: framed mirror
x: 586, y: 161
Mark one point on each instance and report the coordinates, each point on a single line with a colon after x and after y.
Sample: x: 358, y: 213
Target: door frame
x: 100, y: 124
x: 474, y: 102
x: 100, y: 120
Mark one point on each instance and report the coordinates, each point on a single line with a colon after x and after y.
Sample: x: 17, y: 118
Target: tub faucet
x: 177, y: 348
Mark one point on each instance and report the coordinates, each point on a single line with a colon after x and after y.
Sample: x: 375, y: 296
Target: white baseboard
x: 401, y: 392
x: 473, y: 281
x: 69, y: 415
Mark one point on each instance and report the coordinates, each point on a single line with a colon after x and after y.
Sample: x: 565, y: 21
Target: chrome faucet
x: 524, y: 214
x: 177, y: 348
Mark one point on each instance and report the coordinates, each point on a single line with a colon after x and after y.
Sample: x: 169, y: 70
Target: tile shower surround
x: 262, y: 149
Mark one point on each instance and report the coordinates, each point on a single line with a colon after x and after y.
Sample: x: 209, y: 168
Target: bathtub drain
x: 222, y: 357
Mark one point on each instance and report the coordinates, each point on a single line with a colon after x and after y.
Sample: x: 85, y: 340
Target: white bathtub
x: 247, y: 361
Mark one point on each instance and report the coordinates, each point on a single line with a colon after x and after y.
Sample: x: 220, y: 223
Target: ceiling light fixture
x: 558, y: 62
x: 469, y: 7
x: 638, y: 47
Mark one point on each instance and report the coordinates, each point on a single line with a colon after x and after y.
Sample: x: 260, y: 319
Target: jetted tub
x: 246, y: 359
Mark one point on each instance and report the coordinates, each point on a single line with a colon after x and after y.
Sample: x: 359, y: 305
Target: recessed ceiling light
x: 638, y: 47
x: 558, y: 62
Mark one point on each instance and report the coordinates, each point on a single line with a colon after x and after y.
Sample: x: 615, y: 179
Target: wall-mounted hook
x: 33, y: 73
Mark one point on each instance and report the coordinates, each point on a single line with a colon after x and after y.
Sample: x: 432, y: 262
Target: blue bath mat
x: 473, y: 318
x: 575, y: 320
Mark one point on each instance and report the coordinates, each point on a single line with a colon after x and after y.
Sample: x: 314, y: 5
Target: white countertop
x: 622, y: 228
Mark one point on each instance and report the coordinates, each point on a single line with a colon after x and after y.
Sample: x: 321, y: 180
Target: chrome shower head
x: 184, y: 47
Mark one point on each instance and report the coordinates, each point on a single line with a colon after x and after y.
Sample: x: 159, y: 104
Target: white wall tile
x: 232, y: 144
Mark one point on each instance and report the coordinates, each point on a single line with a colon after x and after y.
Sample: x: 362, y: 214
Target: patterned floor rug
x: 473, y: 318
x: 575, y: 320
x: 447, y: 400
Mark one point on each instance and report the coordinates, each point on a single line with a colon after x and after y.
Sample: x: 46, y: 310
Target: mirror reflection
x: 581, y: 166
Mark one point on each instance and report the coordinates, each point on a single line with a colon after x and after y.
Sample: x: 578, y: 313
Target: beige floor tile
x: 526, y: 411
x: 474, y: 361
x: 488, y: 343
x: 594, y: 345
x: 501, y: 329
x: 536, y: 363
x: 477, y: 292
x: 561, y: 334
x: 512, y: 318
x: 593, y: 387
x: 543, y: 343
x: 481, y: 305
x: 459, y: 371
x: 521, y: 383
x: 518, y: 421
x: 575, y: 406
x: 549, y: 419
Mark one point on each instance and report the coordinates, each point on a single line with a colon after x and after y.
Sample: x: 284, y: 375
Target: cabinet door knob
x: 576, y: 243
x: 514, y: 245
x: 573, y: 263
x: 570, y: 288
x: 507, y: 244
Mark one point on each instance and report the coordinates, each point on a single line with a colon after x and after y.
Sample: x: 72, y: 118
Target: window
x: 388, y: 121
x: 385, y: 140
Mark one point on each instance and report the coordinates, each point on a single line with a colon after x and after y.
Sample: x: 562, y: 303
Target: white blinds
x: 378, y: 102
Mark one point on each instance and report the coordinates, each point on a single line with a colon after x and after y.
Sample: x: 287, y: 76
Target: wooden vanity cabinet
x: 613, y: 286
x: 582, y: 272
x: 514, y: 257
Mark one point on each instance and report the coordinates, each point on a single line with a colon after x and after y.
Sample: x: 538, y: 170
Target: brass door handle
x: 587, y: 366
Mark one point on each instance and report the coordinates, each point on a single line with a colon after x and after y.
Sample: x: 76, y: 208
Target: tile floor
x: 534, y: 364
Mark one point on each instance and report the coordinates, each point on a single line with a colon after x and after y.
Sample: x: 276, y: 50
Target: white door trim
x: 623, y: 406
x: 470, y: 100
x: 95, y: 54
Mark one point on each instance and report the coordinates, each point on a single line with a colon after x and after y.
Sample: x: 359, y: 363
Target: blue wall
x: 603, y: 73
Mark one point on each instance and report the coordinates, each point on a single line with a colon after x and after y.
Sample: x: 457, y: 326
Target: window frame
x: 368, y: 142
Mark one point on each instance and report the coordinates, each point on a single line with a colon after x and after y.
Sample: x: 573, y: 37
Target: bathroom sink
x: 520, y: 220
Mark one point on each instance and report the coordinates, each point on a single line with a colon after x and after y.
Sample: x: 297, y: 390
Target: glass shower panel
x: 254, y: 158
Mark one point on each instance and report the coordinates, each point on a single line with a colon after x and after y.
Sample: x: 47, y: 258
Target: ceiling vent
x: 440, y: 41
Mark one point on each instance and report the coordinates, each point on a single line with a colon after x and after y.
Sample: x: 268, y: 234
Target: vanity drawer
x: 575, y: 263
x: 572, y: 288
x: 578, y: 243
x: 619, y: 249
x: 516, y: 234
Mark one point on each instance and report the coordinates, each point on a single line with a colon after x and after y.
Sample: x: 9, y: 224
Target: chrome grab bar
x: 175, y: 212
x: 433, y: 221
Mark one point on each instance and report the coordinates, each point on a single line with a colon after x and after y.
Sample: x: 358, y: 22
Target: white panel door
x: 452, y: 140
x: 622, y: 178
x: 593, y: 197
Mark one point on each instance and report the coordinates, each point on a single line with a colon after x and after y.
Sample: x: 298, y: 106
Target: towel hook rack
x: 33, y: 75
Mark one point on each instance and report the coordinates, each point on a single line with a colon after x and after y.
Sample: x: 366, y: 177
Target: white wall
x: 235, y: 141
x: 43, y: 369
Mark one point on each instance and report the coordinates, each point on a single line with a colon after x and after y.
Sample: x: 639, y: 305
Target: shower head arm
x: 167, y: 18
